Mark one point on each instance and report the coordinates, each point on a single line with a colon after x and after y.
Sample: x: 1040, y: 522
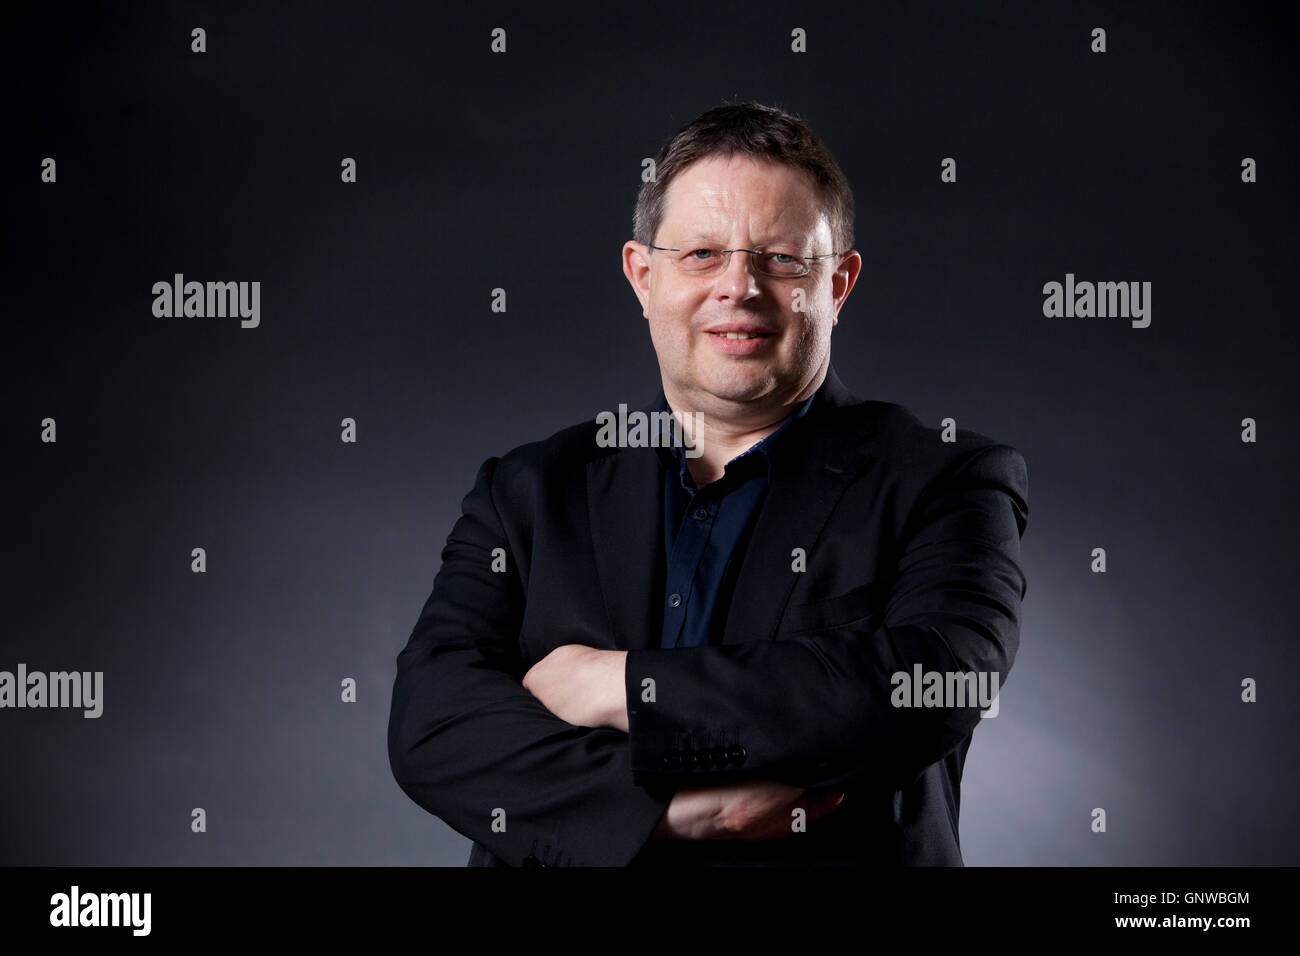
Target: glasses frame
x: 726, y: 262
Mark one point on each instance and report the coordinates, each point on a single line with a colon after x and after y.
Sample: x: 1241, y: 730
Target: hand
x: 581, y: 684
x: 753, y: 809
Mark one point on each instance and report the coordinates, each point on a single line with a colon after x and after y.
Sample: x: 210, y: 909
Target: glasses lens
x: 710, y: 260
x: 700, y: 261
x: 782, y: 264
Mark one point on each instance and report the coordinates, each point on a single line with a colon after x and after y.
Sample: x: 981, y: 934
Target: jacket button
x: 531, y: 860
x: 704, y: 758
x: 719, y: 756
x: 689, y: 758
x: 673, y: 759
x: 737, y: 754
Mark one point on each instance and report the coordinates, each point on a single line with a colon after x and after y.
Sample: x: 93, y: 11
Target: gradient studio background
x: 476, y: 170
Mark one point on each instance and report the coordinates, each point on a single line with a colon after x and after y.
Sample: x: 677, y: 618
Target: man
x: 688, y: 655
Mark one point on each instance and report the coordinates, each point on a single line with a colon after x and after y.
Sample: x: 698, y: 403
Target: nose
x: 740, y: 278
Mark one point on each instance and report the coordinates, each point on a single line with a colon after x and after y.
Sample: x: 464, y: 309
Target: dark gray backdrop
x: 519, y: 171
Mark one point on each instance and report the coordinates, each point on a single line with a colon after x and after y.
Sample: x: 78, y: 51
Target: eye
x: 694, y: 253
x: 783, y: 258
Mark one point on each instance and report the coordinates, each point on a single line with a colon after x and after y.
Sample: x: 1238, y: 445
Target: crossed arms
x: 471, y: 742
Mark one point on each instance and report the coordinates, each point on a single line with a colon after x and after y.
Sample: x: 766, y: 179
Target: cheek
x: 666, y: 336
x: 813, y: 334
x: 671, y: 318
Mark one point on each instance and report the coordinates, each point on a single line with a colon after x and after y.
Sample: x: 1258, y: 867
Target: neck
x: 726, y: 429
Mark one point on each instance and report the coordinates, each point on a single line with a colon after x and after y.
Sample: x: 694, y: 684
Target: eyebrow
x: 701, y: 237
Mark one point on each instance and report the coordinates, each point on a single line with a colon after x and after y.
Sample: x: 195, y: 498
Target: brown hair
x: 763, y: 132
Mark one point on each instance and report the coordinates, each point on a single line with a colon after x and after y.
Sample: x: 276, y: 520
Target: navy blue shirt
x: 706, y: 532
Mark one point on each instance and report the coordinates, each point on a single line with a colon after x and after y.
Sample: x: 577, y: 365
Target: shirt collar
x: 674, y: 458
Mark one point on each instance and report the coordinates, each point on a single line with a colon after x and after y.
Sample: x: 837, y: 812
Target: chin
x: 736, y: 385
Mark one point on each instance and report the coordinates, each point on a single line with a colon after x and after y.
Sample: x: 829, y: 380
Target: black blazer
x: 911, y: 556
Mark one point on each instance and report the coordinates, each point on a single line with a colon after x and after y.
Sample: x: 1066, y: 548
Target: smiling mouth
x: 742, y: 335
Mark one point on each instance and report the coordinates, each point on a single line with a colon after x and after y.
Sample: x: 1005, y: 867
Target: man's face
x: 739, y: 203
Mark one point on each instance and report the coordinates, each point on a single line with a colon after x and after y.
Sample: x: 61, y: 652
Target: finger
x: 813, y: 805
x: 821, y: 804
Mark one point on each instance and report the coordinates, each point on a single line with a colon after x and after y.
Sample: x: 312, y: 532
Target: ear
x: 636, y: 266
x: 845, y: 277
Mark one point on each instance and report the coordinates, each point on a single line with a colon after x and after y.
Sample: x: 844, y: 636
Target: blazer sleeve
x: 470, y: 744
x: 815, y: 711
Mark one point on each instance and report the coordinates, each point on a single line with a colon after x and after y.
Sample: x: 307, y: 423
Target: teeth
x: 738, y: 335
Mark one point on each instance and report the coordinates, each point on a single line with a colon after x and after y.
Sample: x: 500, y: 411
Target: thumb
x: 827, y: 801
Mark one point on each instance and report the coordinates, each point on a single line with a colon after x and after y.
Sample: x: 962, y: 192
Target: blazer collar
x: 822, y: 453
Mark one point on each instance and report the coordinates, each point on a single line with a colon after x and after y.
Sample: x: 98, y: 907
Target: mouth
x: 741, y: 341
x: 742, y: 336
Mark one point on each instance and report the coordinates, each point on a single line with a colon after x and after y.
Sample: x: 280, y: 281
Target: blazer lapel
x: 797, y: 507
x: 625, y: 510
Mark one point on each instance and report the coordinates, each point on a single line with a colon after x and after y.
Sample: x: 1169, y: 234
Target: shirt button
x: 675, y: 600
x: 701, y: 513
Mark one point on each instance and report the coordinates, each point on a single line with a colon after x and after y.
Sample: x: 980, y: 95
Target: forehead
x: 726, y: 194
